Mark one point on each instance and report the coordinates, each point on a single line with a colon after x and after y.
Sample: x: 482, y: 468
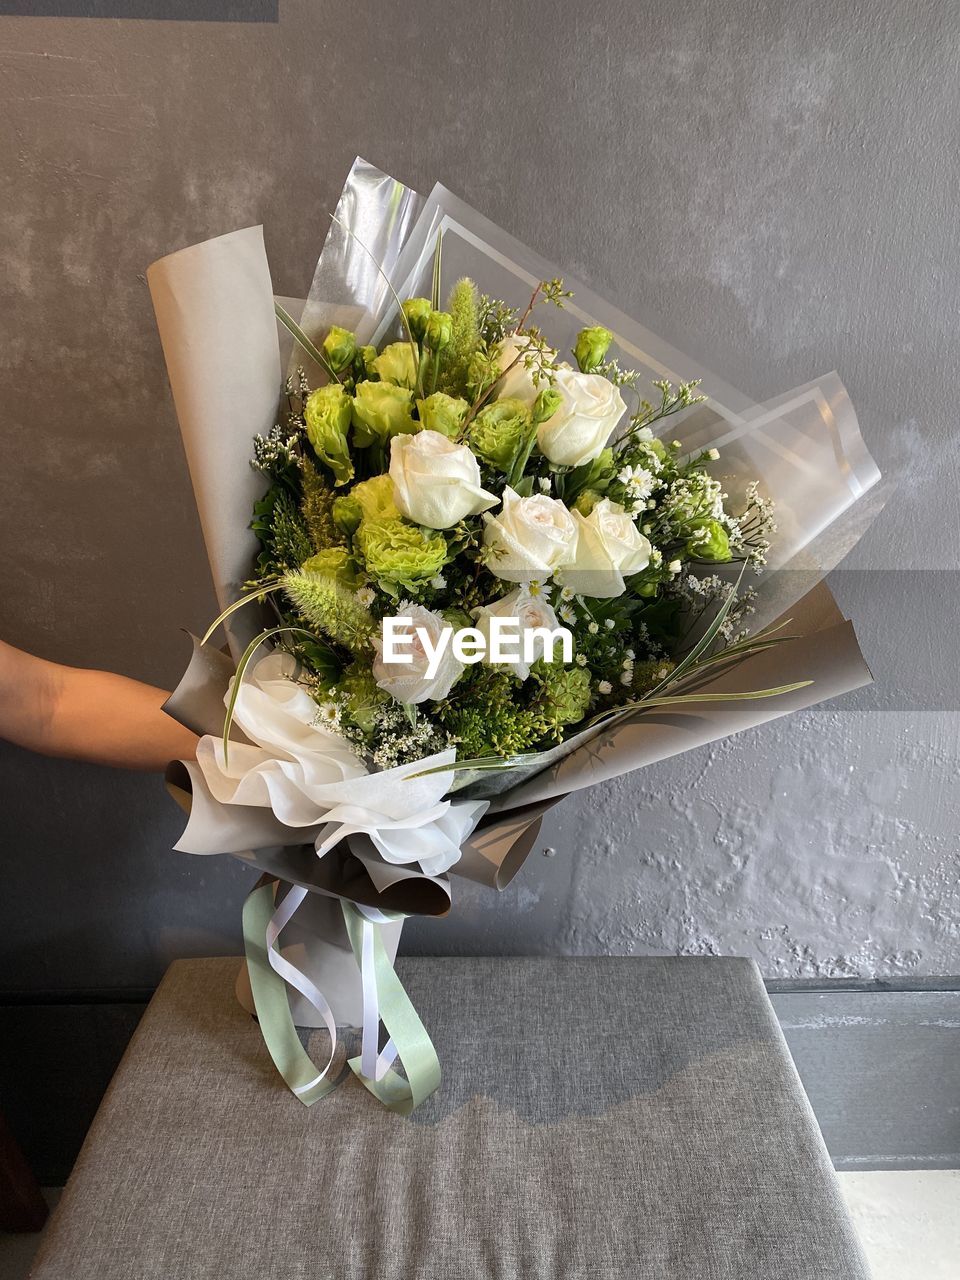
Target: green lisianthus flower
x: 591, y: 346
x: 346, y: 513
x: 375, y: 497
x: 439, y: 330
x: 443, y: 413
x: 547, y: 403
x: 339, y: 346
x: 586, y: 501
x: 417, y: 312
x: 382, y: 410
x: 708, y: 540
x: 398, y: 554
x: 364, y: 362
x: 498, y: 431
x: 397, y: 363
x: 327, y: 416
x: 334, y: 562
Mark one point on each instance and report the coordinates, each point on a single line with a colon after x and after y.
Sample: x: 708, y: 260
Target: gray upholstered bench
x: 598, y: 1118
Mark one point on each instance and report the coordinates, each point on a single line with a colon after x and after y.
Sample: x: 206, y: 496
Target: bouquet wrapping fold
x: 351, y: 852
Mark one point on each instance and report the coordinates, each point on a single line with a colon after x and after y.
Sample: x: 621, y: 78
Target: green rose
x: 335, y: 563
x: 327, y: 416
x: 498, y: 431
x: 417, y: 312
x: 443, y: 413
x: 708, y: 540
x: 439, y: 330
x: 591, y: 346
x: 339, y: 346
x: 382, y: 410
x: 397, y: 363
x: 400, y: 555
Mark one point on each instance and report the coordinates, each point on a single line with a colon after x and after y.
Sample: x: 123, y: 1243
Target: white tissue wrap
x: 313, y: 783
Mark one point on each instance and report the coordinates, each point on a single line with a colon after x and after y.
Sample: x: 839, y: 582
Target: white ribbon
x: 299, y: 981
x: 373, y: 1065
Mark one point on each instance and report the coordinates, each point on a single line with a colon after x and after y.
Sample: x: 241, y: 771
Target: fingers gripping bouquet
x: 488, y: 571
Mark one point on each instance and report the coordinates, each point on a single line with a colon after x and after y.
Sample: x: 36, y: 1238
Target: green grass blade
x: 259, y: 594
x: 300, y: 337
x: 435, y: 290
x: 242, y: 665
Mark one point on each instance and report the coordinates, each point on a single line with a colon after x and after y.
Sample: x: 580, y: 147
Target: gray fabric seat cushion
x: 598, y: 1118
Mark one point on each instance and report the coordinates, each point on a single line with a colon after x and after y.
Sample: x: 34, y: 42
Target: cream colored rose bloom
x: 517, y: 383
x: 579, y: 430
x: 532, y: 613
x: 529, y: 537
x: 609, y: 546
x: 409, y: 681
x: 436, y: 483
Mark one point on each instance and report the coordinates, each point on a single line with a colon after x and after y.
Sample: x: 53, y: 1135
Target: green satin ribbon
x: 414, y: 1046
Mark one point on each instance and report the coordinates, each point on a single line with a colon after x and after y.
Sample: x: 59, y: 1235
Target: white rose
x: 609, y: 546
x: 579, y: 430
x: 408, y: 681
x: 436, y: 482
x: 529, y: 538
x: 531, y: 612
x: 517, y: 382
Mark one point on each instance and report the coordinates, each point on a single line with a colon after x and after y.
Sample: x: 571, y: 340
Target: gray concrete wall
x: 773, y: 184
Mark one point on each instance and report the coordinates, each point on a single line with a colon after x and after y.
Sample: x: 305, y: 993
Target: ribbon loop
x: 384, y: 1001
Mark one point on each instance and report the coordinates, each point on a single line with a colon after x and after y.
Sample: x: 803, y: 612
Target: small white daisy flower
x: 604, y: 687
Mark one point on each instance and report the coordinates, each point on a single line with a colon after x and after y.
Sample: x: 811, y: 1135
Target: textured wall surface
x: 773, y: 185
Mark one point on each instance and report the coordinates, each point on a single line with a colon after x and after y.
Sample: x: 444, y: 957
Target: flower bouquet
x: 497, y: 544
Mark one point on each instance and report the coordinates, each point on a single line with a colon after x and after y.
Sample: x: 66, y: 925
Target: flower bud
x: 365, y: 359
x: 339, y: 346
x: 547, y: 403
x: 439, y: 330
x: 347, y: 513
x: 592, y: 345
x: 417, y: 312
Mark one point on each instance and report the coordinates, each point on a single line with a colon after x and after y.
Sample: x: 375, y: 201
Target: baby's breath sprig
x: 672, y: 400
x: 496, y: 319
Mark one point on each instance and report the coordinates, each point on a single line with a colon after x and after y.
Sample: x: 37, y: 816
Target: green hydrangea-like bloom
x: 591, y: 346
x: 498, y: 431
x: 417, y: 312
x: 398, y: 554
x: 382, y: 410
x: 334, y: 562
x: 397, y: 363
x: 330, y: 608
x: 327, y: 416
x: 708, y: 540
x: 439, y: 331
x: 564, y: 692
x: 339, y: 346
x: 443, y: 413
